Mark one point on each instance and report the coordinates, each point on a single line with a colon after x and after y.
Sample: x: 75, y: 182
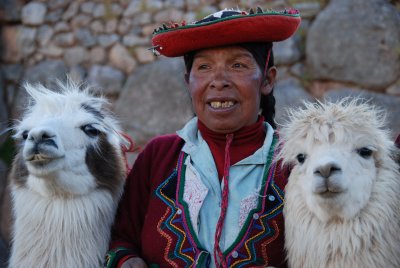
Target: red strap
x: 127, y: 149
x: 266, y: 63
x: 220, y: 261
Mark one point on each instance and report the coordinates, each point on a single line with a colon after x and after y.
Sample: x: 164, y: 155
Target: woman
x: 210, y: 195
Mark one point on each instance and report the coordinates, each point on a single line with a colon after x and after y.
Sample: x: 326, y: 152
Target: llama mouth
x: 41, y: 159
x: 42, y: 154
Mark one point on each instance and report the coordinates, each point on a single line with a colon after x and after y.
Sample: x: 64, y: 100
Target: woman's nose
x: 220, y: 79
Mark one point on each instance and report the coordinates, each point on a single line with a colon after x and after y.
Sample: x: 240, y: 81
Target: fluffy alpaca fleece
x: 67, y: 179
x: 342, y: 205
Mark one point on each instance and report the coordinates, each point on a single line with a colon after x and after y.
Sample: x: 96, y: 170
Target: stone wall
x: 336, y: 52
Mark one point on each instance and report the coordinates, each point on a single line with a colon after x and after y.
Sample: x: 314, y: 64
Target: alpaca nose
x: 42, y: 135
x: 327, y: 169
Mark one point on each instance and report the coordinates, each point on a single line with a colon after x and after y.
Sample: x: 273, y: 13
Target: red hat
x: 225, y: 27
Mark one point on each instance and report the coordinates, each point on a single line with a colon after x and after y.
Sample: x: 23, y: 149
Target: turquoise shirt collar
x: 193, y: 139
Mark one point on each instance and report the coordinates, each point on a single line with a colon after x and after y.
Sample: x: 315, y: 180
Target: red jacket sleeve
x: 156, y: 161
x: 133, y: 206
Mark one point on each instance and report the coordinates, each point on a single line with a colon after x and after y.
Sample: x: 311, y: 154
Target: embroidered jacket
x: 153, y: 219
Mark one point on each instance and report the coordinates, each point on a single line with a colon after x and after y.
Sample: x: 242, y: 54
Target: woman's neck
x: 245, y: 142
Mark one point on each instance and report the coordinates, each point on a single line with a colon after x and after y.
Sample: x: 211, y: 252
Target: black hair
x: 260, y: 54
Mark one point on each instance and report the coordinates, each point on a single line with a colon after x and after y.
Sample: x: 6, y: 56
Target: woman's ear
x: 269, y: 81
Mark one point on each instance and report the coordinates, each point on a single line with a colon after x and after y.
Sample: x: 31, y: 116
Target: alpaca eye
x: 25, y: 134
x: 364, y: 152
x: 90, y: 130
x: 301, y: 158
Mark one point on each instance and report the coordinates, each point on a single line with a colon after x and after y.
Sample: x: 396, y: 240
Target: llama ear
x: 98, y: 104
x: 269, y: 81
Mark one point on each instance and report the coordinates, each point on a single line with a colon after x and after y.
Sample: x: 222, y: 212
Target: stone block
x: 108, y: 79
x: 34, y: 13
x: 154, y: 100
x: 122, y: 59
x: 357, y: 42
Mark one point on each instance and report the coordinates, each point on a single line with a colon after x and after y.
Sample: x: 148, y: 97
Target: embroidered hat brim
x: 239, y: 28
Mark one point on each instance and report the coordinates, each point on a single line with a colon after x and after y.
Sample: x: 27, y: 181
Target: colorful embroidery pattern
x: 267, y: 242
x: 183, y: 251
x: 259, y: 232
x: 164, y: 234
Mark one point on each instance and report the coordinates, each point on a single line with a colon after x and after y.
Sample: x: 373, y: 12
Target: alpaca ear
x: 269, y: 81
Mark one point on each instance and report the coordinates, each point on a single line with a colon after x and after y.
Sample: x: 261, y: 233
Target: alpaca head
x: 336, y: 150
x: 69, y: 143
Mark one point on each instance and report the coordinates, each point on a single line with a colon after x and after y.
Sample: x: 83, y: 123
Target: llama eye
x: 364, y: 152
x: 301, y: 158
x: 25, y: 134
x: 90, y: 130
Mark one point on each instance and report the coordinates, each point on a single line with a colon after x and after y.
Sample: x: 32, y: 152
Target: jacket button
x: 235, y: 254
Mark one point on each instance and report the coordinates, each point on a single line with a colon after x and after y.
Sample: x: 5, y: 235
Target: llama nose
x: 327, y: 169
x: 41, y: 136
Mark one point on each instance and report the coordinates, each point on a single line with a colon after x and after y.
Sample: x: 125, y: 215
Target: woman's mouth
x: 221, y: 104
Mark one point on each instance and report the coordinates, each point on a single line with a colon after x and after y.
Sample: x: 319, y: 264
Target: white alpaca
x: 67, y: 179
x: 342, y: 201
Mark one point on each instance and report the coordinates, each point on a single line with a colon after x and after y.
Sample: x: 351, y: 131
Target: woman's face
x: 226, y: 84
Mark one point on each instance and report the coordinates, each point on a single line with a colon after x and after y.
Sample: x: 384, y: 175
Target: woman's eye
x: 90, y: 130
x: 203, y: 67
x: 364, y: 152
x: 301, y: 158
x: 238, y: 65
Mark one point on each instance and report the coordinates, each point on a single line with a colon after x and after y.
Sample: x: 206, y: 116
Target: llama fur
x: 342, y: 205
x: 67, y: 178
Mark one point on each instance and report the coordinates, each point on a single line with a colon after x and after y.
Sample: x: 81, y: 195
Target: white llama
x: 342, y: 201
x: 67, y: 179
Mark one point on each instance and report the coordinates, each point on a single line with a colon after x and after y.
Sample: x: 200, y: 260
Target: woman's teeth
x: 221, y: 104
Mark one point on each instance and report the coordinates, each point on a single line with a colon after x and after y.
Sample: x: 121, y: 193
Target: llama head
x: 336, y: 150
x: 69, y: 142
